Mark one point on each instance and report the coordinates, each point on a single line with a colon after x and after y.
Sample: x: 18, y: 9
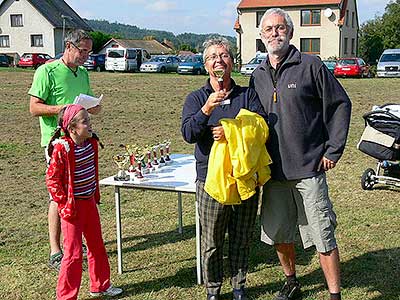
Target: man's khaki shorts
x: 304, y: 203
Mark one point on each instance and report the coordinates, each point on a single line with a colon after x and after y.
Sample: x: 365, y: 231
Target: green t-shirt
x: 56, y: 84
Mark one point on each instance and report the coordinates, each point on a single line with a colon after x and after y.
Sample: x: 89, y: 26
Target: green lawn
x: 159, y: 263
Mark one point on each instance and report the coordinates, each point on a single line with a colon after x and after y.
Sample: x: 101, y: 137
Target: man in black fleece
x: 309, y: 115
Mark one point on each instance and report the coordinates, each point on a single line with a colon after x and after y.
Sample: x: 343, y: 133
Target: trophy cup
x: 149, y: 166
x: 131, y: 150
x: 162, y: 160
x: 121, y: 160
x: 155, y: 163
x: 220, y: 74
x: 167, y: 149
x: 139, y: 160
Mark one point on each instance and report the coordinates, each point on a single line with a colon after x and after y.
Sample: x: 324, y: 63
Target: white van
x: 125, y: 59
x: 389, y: 64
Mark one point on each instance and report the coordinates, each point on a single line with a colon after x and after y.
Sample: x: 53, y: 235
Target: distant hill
x: 133, y: 32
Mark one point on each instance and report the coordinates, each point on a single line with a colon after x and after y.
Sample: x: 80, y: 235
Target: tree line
x: 104, y: 31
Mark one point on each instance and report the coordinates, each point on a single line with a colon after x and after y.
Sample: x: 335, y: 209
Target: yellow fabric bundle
x: 240, y: 163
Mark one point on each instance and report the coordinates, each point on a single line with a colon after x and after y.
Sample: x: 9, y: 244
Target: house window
x: 4, y: 41
x: 36, y: 40
x: 311, y: 46
x: 16, y: 20
x: 310, y: 17
x: 347, y: 17
x: 346, y: 41
x: 353, y: 46
x: 260, y: 46
x: 258, y: 17
x: 353, y: 19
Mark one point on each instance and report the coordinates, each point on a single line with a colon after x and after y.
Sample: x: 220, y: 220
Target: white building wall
x: 33, y: 23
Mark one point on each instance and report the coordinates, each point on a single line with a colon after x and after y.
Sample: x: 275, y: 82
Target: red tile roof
x: 284, y: 3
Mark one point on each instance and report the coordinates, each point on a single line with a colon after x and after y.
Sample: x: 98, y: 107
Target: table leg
x: 180, y: 222
x: 198, y: 245
x: 118, y: 222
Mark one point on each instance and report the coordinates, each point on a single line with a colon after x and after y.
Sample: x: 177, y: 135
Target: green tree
x: 371, y: 42
x: 391, y: 25
x: 186, y: 47
x: 99, y: 39
x: 381, y: 33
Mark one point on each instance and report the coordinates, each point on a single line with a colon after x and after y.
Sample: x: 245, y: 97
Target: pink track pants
x: 86, y: 222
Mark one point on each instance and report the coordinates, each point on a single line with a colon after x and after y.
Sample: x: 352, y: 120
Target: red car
x: 33, y: 60
x: 351, y: 67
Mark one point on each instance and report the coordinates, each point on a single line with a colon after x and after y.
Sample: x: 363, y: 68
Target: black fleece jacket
x: 309, y: 117
x: 196, y: 126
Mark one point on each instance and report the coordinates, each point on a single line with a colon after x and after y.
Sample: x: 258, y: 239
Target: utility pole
x: 63, y: 29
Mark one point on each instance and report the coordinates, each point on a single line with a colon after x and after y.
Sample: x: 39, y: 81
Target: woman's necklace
x: 73, y: 72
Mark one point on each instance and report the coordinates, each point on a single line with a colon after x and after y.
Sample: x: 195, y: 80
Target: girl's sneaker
x: 111, y: 291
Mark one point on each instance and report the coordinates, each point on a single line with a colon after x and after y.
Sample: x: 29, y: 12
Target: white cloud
x: 162, y: 5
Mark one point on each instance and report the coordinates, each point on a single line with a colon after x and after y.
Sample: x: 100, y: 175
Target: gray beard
x: 281, y: 52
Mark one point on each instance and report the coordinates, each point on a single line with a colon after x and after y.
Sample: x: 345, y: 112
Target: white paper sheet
x: 87, y: 101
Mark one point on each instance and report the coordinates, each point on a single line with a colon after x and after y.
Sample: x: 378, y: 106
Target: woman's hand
x: 218, y: 133
x: 213, y: 101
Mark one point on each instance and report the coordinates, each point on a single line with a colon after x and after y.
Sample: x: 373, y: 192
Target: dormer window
x: 16, y: 20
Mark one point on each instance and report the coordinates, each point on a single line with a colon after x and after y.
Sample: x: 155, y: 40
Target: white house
x: 28, y: 26
x: 152, y: 46
x: 327, y: 28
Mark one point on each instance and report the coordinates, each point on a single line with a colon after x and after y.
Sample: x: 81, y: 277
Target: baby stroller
x: 381, y: 140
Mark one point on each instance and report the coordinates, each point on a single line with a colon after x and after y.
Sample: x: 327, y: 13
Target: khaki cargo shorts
x: 304, y: 203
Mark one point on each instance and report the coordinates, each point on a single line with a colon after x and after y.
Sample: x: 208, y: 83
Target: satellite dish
x: 328, y: 12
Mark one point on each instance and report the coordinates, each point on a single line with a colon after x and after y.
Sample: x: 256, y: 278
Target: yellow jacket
x: 239, y: 164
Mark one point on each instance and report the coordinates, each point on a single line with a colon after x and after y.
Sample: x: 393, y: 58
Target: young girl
x: 72, y: 180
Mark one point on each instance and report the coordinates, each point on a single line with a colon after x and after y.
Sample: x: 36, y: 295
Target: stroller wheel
x: 367, y: 182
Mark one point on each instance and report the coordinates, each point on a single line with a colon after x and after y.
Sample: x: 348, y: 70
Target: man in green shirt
x: 55, y: 85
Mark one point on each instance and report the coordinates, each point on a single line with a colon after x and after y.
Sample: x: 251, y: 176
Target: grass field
x: 159, y: 263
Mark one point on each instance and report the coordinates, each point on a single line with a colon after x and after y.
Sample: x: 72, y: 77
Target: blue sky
x: 179, y: 16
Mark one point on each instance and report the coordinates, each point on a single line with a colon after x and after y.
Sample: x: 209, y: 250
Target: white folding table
x: 179, y: 177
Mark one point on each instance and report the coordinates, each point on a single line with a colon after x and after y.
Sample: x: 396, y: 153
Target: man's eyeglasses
x: 215, y: 57
x: 280, y: 28
x: 82, y: 51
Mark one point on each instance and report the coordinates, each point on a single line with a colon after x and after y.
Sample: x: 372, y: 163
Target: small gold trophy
x: 121, y: 160
x: 220, y: 74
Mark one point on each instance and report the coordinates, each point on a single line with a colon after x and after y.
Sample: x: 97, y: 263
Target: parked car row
x: 116, y: 59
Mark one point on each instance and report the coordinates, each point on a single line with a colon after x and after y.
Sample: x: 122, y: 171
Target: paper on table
x: 87, y: 101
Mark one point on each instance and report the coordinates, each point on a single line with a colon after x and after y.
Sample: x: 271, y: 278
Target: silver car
x: 389, y: 63
x: 161, y: 64
x: 248, y: 68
